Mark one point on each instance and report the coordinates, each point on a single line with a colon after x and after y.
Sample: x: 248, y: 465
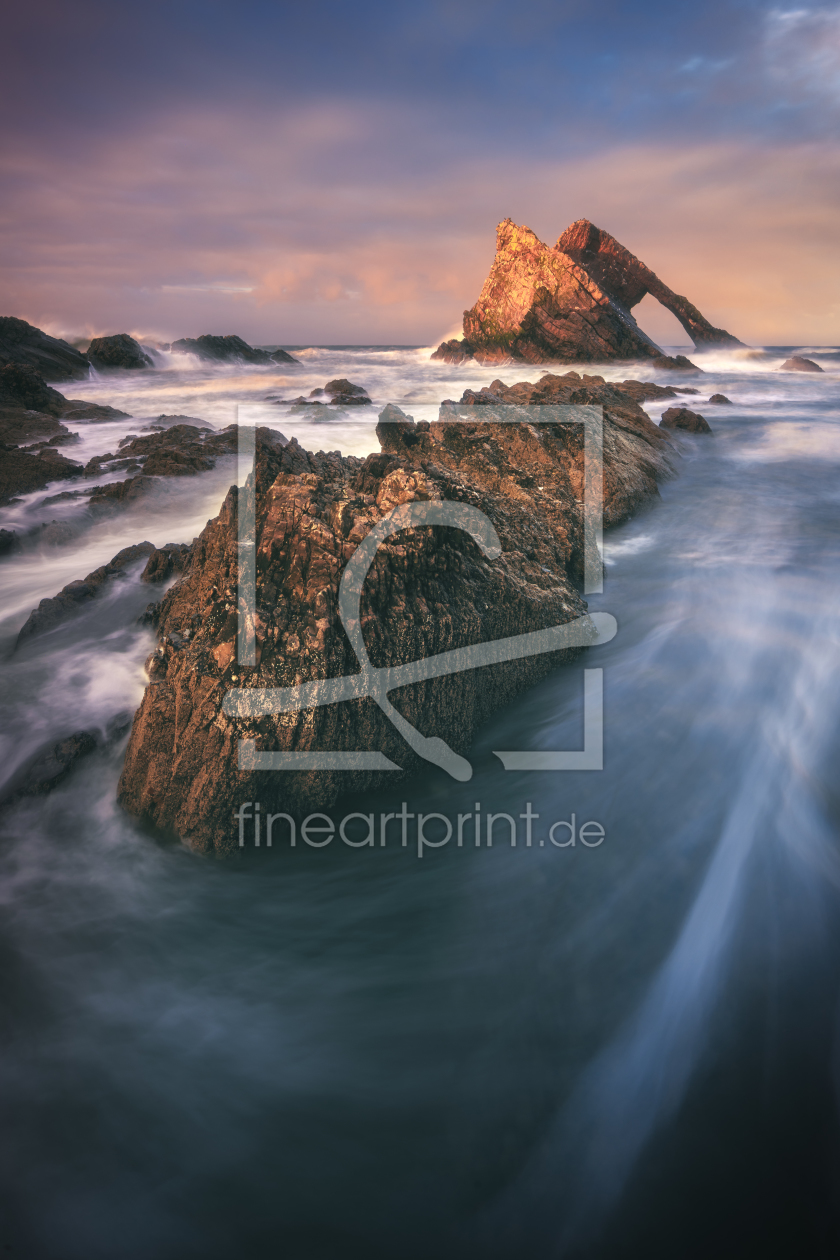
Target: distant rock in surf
x: 341, y: 393
x: 798, y: 364
x: 570, y: 303
x: 720, y: 399
x: 230, y: 349
x: 118, y: 351
x: 52, y: 358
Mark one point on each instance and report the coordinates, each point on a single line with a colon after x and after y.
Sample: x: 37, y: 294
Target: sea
x: 614, y: 1049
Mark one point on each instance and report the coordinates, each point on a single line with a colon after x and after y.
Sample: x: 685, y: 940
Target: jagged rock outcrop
x: 429, y: 590
x: 118, y: 351
x: 165, y: 561
x: 228, y: 349
x: 51, y: 612
x: 569, y: 303
x: 54, y: 359
x: 799, y: 364
x: 683, y: 418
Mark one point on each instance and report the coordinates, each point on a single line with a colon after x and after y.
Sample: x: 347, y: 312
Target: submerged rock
x: 50, y: 766
x: 52, y: 358
x: 118, y: 351
x: 682, y: 418
x: 50, y: 612
x: 798, y: 364
x: 570, y: 303
x: 429, y: 590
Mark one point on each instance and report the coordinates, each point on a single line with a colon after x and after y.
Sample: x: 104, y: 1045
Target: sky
x: 333, y: 173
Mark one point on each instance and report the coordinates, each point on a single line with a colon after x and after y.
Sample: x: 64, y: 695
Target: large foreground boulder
x: 230, y: 349
x: 569, y: 303
x: 54, y: 359
x: 118, y: 351
x: 429, y: 590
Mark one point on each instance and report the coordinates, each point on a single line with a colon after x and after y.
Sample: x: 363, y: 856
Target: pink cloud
x: 308, y: 227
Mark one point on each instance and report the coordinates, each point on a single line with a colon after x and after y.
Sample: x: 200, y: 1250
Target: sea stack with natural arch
x: 570, y: 304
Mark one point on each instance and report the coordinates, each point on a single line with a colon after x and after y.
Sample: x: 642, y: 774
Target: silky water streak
x: 376, y: 683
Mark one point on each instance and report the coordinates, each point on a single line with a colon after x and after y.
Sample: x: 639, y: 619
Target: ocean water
x: 523, y: 1052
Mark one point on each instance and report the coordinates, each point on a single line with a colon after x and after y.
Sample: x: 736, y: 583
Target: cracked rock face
x: 430, y: 589
x: 570, y: 303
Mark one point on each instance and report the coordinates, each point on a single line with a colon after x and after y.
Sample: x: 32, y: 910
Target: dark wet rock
x: 720, y: 399
x: 682, y: 418
x: 176, y: 464
x: 798, y: 364
x: 344, y: 393
x: 184, y: 450
x: 118, y: 351
x: 57, y: 533
x: 21, y: 472
x: 54, y: 533
x: 230, y: 349
x: 428, y: 591
x: 571, y: 303
x: 170, y: 422
x: 19, y: 427
x: 66, y: 495
x: 674, y: 363
x: 165, y: 561
x: 454, y: 351
x: 96, y: 413
x: 23, y: 386
x: 52, y: 358
x: 51, y: 612
x: 50, y: 766
x: 8, y: 541
x: 116, y: 494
